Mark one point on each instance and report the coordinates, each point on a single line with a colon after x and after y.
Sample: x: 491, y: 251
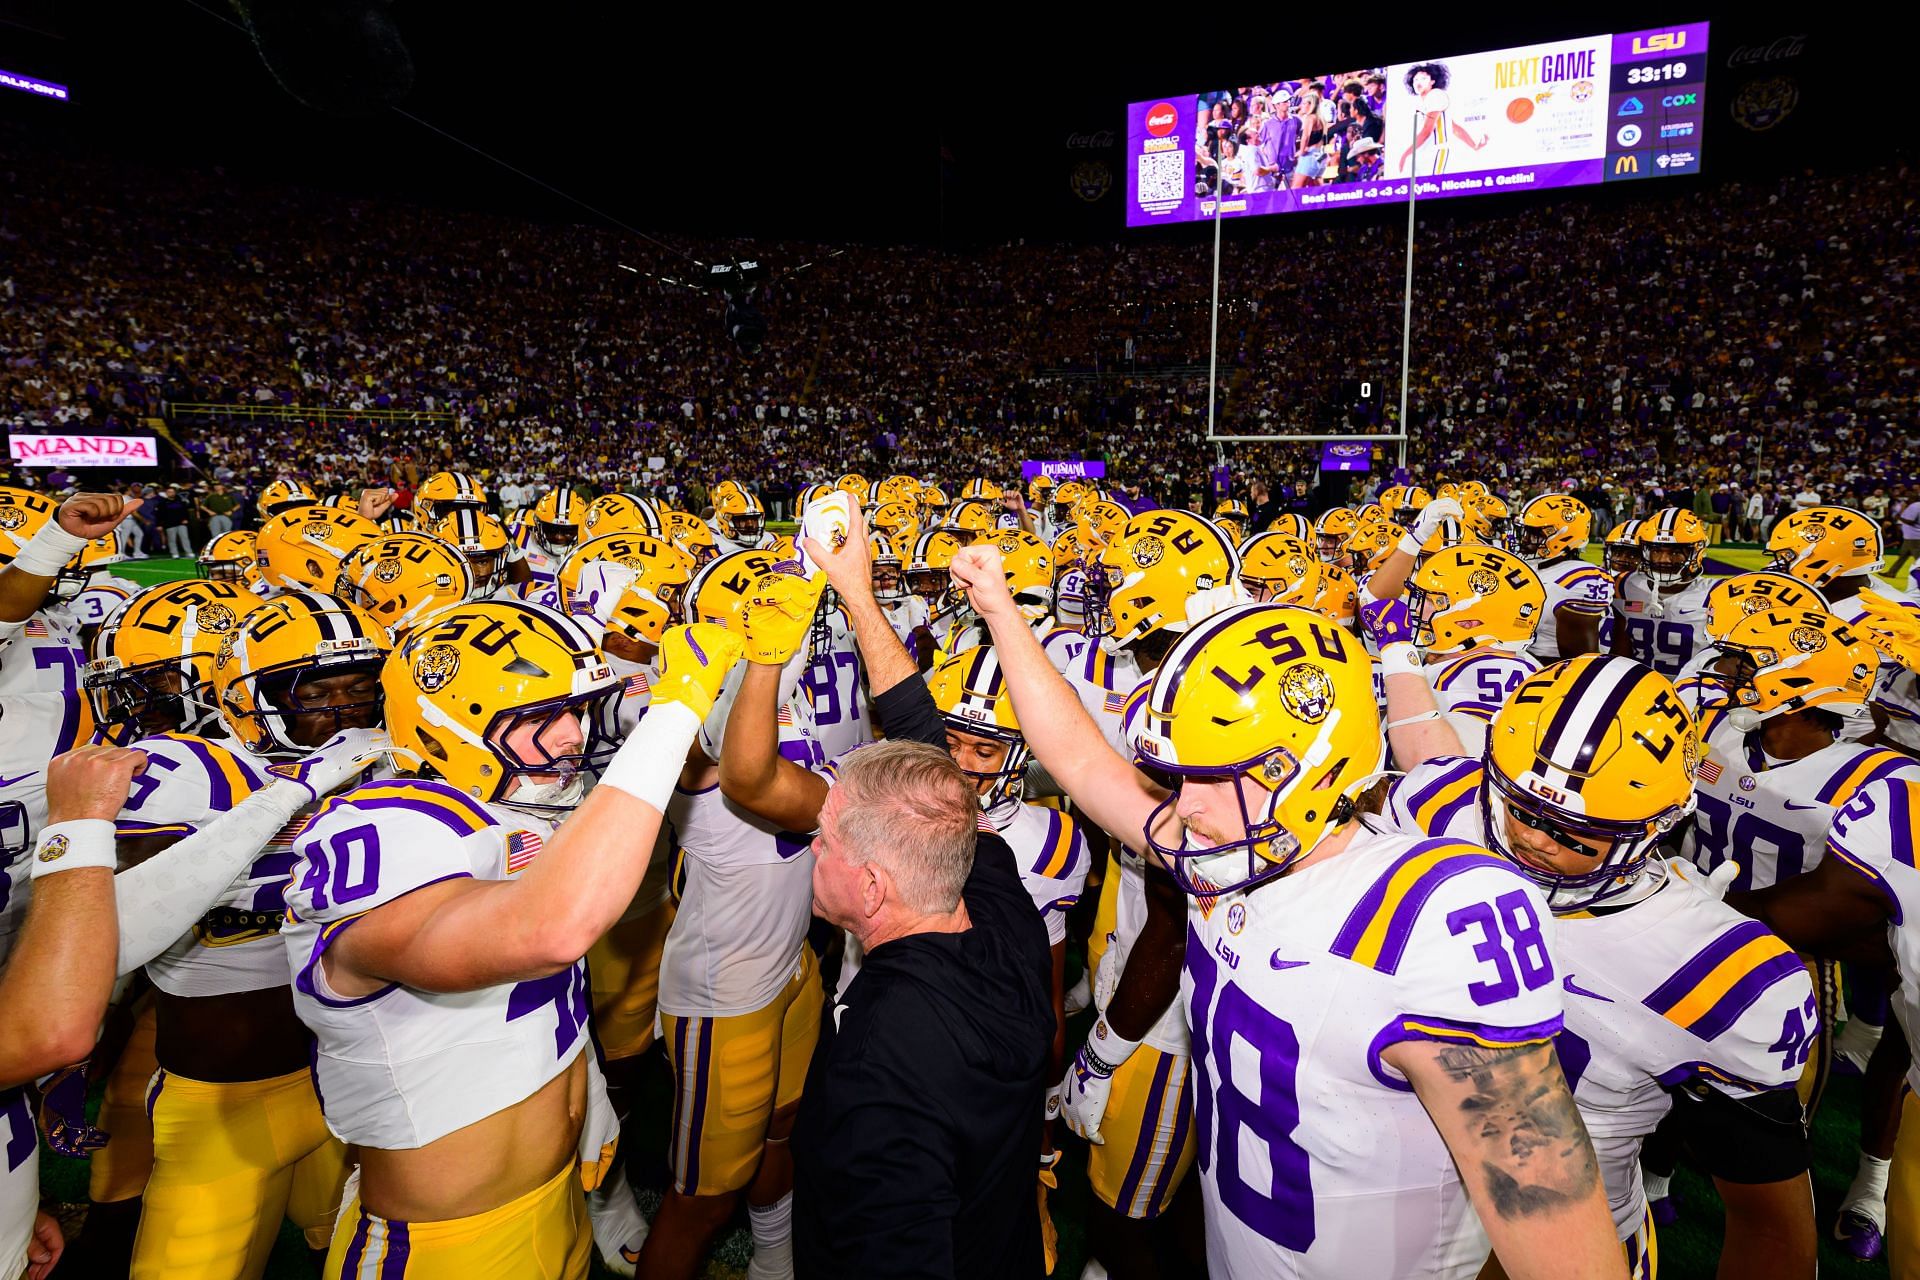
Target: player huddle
x: 1413, y: 832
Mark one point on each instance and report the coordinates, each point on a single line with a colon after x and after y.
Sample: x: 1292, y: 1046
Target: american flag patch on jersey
x: 36, y: 629
x: 522, y: 847
x: 635, y: 686
x: 980, y: 823
x: 1708, y: 772
x: 285, y: 836
x: 1114, y: 703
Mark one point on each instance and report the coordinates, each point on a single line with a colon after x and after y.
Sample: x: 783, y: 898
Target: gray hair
x: 907, y: 806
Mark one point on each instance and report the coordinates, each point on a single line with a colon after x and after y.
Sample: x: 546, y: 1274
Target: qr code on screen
x: 1163, y: 177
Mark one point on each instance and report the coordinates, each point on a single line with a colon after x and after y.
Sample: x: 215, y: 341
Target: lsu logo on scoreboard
x: 1664, y: 42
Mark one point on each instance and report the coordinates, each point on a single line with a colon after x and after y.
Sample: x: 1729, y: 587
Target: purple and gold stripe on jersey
x: 379, y: 1250
x: 454, y: 810
x: 1581, y: 579
x: 1710, y: 992
x: 1056, y: 851
x: 128, y: 829
x: 693, y: 1048
x: 1442, y: 800
x: 1868, y: 767
x: 1376, y: 932
x: 304, y: 980
x: 1454, y: 671
x: 1900, y: 796
x: 1098, y: 668
x: 1708, y: 1071
x: 229, y: 779
x: 1643, y: 1250
x: 1449, y: 1031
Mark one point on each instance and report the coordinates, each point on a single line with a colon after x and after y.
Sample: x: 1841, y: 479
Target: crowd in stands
x: 1756, y: 336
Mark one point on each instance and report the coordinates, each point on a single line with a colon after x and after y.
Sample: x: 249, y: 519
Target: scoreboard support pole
x: 1213, y: 343
x: 1406, y: 301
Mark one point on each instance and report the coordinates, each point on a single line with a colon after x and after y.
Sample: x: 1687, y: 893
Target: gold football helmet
x: 692, y: 535
x: 975, y: 702
x: 900, y: 521
x: 23, y: 513
x: 1098, y: 524
x: 1449, y: 533
x: 1821, y: 544
x: 94, y: 555
x: 889, y: 569
x: 1066, y: 496
x: 1551, y: 526
x: 933, y: 505
x: 719, y: 592
x: 737, y: 513
x: 898, y: 488
x: 1370, y: 546
x: 482, y: 540
x: 1231, y: 509
x: 1029, y: 569
x: 620, y: 513
x: 972, y: 520
x: 152, y: 663
x: 1673, y: 547
x: 298, y: 669
x: 1331, y: 531
x: 1339, y: 597
x: 1620, y: 553
x: 857, y: 487
x: 1731, y: 599
x: 556, y: 519
x: 1294, y: 525
x: 281, y: 495
x: 1040, y: 492
x: 1278, y: 568
x: 1403, y: 500
x: 1490, y: 519
x: 600, y: 568
x: 404, y: 579
x: 1597, y: 754
x: 230, y: 558
x: 1279, y: 702
x: 983, y: 490
x: 1793, y: 661
x: 927, y: 575
x: 1160, y: 560
x: 1470, y: 596
x: 447, y: 491
x: 303, y: 547
x: 503, y: 701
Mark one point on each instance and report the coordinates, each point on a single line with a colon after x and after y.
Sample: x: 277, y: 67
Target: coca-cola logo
x: 1161, y: 117
x: 1094, y: 141
x: 1753, y: 55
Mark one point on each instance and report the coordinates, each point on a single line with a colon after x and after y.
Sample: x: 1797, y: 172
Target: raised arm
x: 25, y: 582
x: 463, y: 934
x: 1509, y: 1120
x: 849, y: 568
x: 1416, y: 729
x: 54, y: 989
x: 1115, y: 795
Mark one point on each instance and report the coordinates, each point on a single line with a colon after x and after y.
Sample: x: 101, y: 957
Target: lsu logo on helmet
x: 435, y: 666
x: 1306, y: 691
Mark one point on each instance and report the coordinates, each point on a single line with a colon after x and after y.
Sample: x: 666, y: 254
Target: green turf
x: 147, y: 572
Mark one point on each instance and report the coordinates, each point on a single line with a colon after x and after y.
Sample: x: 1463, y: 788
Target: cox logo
x: 1628, y: 135
x: 1680, y: 100
x: 1161, y: 118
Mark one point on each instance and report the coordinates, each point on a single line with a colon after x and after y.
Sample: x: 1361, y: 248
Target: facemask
x: 564, y: 793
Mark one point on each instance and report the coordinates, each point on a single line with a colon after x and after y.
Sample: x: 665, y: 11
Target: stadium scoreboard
x: 1566, y: 113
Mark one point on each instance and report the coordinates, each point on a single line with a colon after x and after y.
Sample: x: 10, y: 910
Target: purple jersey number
x: 355, y: 867
x: 1222, y: 1107
x: 1513, y: 914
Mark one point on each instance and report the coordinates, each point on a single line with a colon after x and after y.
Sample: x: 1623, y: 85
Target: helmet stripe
x: 1585, y: 712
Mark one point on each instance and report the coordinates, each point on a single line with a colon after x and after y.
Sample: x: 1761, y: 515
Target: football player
x: 1474, y: 610
x: 230, y: 557
x: 1861, y: 900
x: 404, y: 579
x: 1704, y: 681
x: 739, y: 521
x: 1674, y: 999
x: 906, y: 612
x: 446, y: 492
x: 1331, y: 531
x: 436, y: 926
x: 283, y: 495
x: 39, y: 539
x: 1344, y: 1075
x: 1029, y: 569
x: 1550, y: 535
x: 483, y: 541
x: 543, y: 539
x: 303, y: 547
x: 1659, y: 610
x: 740, y: 993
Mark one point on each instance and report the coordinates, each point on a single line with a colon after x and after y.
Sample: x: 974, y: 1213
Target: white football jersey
x: 1663, y: 631
x: 905, y: 615
x: 19, y: 1178
x: 1064, y: 646
x: 1772, y: 816
x: 1053, y: 858
x: 99, y: 600
x: 187, y: 783
x: 1316, y: 1159
x: 34, y: 728
x: 1575, y: 585
x: 727, y: 546
x: 1104, y: 682
x: 1876, y: 834
x: 735, y: 941
x: 1169, y: 1031
x: 40, y: 655
x: 397, y: 1069
x: 1664, y: 985
x: 835, y: 688
x: 1470, y: 688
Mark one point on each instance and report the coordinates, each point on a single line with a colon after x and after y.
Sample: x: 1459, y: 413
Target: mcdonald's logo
x: 1627, y: 164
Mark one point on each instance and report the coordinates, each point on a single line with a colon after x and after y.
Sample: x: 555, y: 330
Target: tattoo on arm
x: 1534, y: 1153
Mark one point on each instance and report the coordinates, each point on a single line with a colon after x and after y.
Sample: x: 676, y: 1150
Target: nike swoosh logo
x: 1567, y: 983
x: 7, y: 782
x: 1804, y: 807
x: 1278, y: 963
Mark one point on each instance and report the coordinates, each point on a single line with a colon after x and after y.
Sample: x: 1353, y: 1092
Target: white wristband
x: 1400, y: 659
x: 48, y: 551
x: 648, y: 763
x: 1409, y: 545
x: 74, y: 846
x: 1105, y: 1049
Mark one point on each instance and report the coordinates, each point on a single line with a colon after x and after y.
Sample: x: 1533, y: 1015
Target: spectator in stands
x: 1909, y: 538
x: 216, y: 508
x: 171, y: 513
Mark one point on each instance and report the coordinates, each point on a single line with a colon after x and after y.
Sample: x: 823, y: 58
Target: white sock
x: 617, y: 1221
x: 1094, y: 1270
x: 1867, y: 1195
x: 1656, y: 1185
x: 772, y: 1239
x: 1079, y: 995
